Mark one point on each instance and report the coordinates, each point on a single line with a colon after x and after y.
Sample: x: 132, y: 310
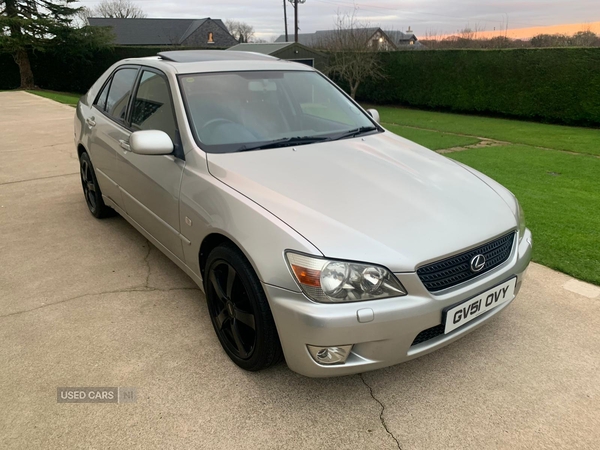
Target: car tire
x: 91, y: 189
x: 239, y: 310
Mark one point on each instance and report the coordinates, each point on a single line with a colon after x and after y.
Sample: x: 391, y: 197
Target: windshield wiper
x: 285, y: 142
x: 354, y: 133
x: 304, y: 140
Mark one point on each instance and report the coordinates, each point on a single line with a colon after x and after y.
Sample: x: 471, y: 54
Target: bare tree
x: 468, y: 33
x: 432, y: 39
x: 585, y: 39
x: 353, y: 52
x: 119, y: 9
x: 82, y: 16
x: 241, y: 31
x: 469, y: 38
x: 550, y: 40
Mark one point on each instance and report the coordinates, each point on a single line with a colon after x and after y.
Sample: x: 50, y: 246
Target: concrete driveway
x: 89, y: 303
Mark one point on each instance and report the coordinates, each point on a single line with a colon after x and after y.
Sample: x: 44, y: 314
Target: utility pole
x: 296, y: 21
x: 295, y: 3
x: 285, y: 19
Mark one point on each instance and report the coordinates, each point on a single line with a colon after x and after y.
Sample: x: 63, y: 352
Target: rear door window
x: 119, y: 93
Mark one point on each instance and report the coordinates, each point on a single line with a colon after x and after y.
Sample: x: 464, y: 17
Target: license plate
x: 458, y: 315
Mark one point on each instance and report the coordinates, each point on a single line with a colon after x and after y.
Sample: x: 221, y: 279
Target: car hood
x: 379, y: 199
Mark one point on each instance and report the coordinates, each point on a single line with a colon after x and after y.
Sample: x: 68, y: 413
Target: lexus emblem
x: 477, y: 263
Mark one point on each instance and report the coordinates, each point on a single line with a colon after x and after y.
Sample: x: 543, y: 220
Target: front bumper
x: 388, y: 338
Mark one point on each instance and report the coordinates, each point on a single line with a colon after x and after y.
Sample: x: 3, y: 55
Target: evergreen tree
x: 36, y: 25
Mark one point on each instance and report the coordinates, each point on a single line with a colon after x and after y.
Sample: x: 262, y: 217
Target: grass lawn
x: 560, y: 194
x: 61, y: 97
x: 433, y: 140
x: 559, y: 191
x: 575, y: 139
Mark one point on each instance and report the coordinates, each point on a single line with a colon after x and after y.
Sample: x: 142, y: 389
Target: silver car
x: 315, y: 234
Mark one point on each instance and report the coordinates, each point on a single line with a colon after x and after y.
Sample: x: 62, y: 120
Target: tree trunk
x: 20, y: 54
x: 353, y: 89
x: 22, y: 59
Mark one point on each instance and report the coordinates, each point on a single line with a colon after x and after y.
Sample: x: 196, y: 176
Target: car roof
x: 211, y: 55
x: 199, y: 61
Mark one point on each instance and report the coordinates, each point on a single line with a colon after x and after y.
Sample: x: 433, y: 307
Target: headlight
x: 330, y: 281
x: 521, y: 220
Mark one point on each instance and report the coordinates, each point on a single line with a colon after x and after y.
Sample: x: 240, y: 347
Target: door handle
x: 124, y: 145
x: 90, y: 122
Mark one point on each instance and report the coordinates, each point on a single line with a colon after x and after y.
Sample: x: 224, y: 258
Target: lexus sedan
x: 316, y: 235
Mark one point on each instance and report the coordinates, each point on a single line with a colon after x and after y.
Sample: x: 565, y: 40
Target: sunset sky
x: 525, y: 33
x: 439, y: 17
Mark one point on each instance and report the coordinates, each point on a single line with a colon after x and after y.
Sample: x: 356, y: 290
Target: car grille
x: 429, y: 333
x: 457, y: 269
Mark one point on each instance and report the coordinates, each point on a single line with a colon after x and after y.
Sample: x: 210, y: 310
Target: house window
x: 412, y: 42
x: 210, y: 38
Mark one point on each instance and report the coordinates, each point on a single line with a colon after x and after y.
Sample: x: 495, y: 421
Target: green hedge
x: 62, y: 71
x: 9, y: 72
x: 555, y: 85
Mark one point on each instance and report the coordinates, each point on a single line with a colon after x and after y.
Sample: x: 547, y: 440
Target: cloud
x: 440, y: 16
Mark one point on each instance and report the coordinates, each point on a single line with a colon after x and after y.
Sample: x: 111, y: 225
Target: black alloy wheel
x: 239, y: 310
x: 91, y: 190
x: 231, y: 310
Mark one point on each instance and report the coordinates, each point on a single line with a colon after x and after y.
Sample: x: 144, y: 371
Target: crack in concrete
x: 8, y: 147
x: 140, y: 288
x: 40, y: 178
x: 147, y: 262
x: 71, y: 151
x: 93, y: 294
x: 381, y: 419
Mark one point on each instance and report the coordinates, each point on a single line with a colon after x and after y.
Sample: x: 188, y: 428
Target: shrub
x: 559, y: 85
x: 555, y: 85
x: 62, y: 70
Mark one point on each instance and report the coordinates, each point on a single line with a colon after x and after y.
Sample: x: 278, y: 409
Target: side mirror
x: 151, y: 142
x: 374, y: 114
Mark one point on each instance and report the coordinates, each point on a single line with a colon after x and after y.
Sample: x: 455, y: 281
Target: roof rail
x: 183, y: 56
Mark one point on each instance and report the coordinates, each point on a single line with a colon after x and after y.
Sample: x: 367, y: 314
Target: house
x: 404, y: 40
x: 197, y: 33
x: 286, y: 50
x: 383, y: 40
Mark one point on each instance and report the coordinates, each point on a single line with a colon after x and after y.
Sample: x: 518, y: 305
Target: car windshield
x: 241, y: 111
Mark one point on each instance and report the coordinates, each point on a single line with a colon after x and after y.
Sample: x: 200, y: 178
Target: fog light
x: 330, y: 355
